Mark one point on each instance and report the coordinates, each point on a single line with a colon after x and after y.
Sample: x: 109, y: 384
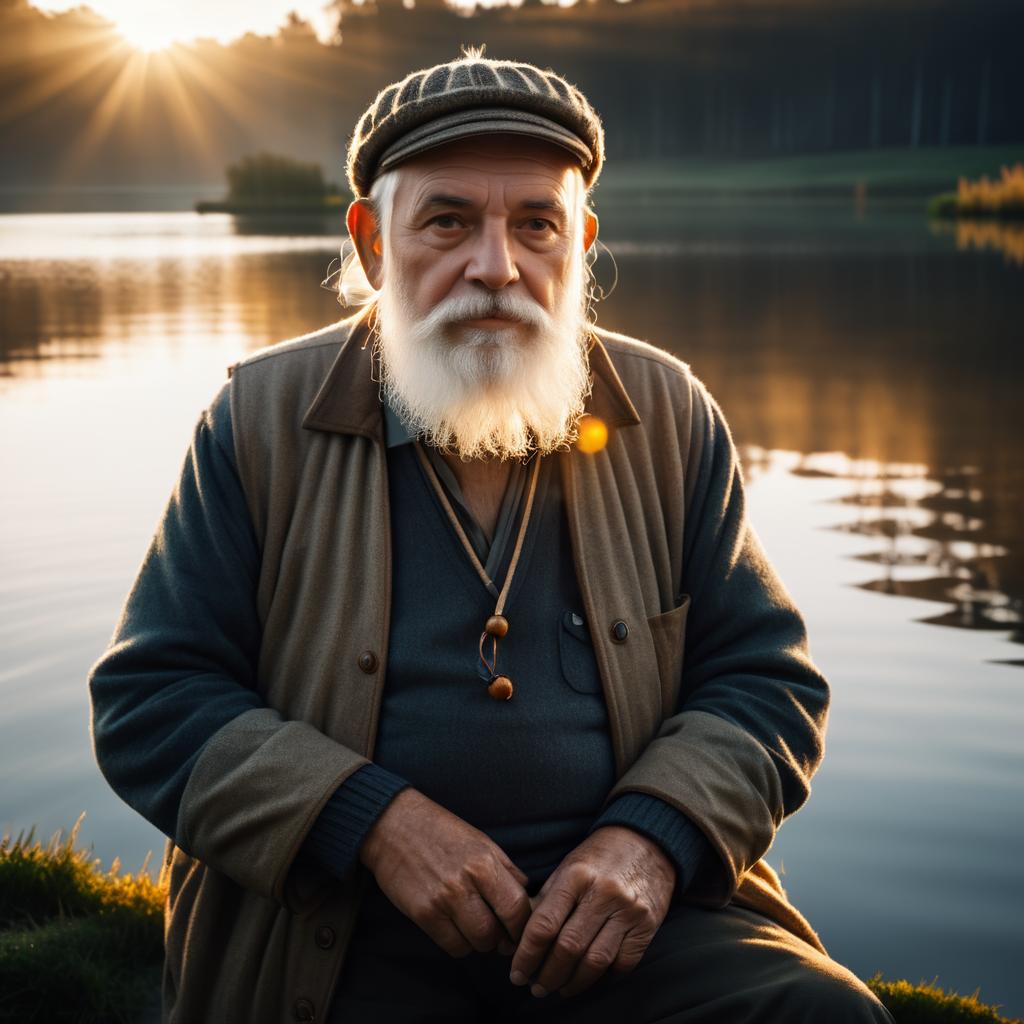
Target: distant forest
x: 671, y: 78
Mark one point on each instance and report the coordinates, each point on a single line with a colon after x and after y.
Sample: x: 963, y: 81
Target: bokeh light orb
x: 593, y: 434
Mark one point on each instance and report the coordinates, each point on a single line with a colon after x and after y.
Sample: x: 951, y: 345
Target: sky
x: 152, y: 24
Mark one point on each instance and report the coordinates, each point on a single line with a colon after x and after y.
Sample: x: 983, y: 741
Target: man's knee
x: 826, y: 991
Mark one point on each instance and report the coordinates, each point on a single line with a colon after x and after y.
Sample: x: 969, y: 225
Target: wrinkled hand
x: 599, y: 909
x: 446, y: 876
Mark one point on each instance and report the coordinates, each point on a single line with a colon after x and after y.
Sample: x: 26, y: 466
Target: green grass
x: 84, y: 946
x: 919, y: 171
x: 77, y: 943
x: 926, y: 1003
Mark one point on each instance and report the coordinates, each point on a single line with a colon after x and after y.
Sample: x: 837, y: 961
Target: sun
x: 147, y: 33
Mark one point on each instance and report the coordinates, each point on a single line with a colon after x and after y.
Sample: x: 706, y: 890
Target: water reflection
x: 309, y: 225
x: 937, y: 537
x: 75, y: 287
x: 1007, y: 238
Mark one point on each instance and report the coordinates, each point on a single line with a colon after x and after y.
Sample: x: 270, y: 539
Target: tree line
x: 670, y: 79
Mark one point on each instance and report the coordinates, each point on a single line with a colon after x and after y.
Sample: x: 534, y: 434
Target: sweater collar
x: 349, y: 400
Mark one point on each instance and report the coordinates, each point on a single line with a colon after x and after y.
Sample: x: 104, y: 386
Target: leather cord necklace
x: 499, y: 687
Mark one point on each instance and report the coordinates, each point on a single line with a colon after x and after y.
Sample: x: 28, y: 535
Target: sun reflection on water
x: 935, y: 536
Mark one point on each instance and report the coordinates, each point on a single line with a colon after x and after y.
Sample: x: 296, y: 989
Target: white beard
x: 479, y: 392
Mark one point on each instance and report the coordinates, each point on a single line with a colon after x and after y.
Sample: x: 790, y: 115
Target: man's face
x: 481, y: 307
x: 495, y: 213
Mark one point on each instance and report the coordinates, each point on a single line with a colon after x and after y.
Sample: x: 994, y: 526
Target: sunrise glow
x: 157, y: 24
x: 145, y: 33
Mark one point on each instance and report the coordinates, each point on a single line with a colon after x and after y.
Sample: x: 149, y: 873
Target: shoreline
x: 902, y: 172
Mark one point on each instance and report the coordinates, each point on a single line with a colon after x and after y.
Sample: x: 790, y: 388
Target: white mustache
x: 480, y: 305
x: 486, y: 393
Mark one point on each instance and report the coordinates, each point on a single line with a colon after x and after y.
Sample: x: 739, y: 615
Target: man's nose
x: 491, y: 261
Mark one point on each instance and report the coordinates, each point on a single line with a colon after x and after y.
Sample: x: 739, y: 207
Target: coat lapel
x: 610, y: 557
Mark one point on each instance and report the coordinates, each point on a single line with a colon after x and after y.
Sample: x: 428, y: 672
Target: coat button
x: 304, y: 1010
x: 367, y: 662
x: 324, y: 936
x: 619, y: 631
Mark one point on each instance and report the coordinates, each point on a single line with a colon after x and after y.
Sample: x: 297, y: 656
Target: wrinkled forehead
x: 506, y: 164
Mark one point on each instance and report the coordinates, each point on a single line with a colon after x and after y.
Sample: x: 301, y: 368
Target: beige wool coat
x: 254, y: 936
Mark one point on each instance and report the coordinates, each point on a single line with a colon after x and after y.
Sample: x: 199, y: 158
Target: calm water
x: 871, y: 370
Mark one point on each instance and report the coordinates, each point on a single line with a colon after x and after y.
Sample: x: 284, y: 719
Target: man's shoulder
x: 640, y: 352
x: 275, y: 386
x: 315, y: 347
x: 650, y: 373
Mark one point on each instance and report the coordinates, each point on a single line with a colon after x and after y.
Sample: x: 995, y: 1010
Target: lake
x: 871, y: 370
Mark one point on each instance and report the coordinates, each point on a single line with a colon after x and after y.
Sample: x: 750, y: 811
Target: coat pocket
x: 576, y: 653
x: 668, y: 631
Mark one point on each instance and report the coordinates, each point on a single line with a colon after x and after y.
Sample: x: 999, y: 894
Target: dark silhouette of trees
x: 671, y: 79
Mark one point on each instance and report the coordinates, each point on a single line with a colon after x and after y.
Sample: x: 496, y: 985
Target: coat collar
x: 349, y: 400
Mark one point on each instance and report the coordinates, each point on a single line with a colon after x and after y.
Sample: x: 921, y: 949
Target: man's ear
x: 589, y: 227
x: 365, y: 233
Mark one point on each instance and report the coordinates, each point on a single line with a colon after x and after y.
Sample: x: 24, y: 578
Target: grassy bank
x: 913, y: 172
x: 80, y: 944
x: 1002, y: 198
x: 77, y: 943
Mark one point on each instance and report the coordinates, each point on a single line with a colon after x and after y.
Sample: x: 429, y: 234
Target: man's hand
x: 599, y: 909
x: 446, y: 876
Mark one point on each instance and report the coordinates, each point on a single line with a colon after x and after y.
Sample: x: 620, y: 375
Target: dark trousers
x: 731, y: 965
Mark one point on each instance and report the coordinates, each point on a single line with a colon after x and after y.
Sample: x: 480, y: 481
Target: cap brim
x: 483, y: 121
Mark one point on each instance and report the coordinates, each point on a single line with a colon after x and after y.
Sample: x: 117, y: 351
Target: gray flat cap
x: 472, y: 96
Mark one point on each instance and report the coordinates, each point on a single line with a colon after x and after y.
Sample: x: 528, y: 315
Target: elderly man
x: 402, y: 677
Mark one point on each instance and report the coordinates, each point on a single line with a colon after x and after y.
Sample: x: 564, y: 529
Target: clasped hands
x: 597, y: 911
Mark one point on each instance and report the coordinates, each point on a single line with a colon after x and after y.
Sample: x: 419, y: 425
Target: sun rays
x: 115, y: 91
x: 155, y: 25
x: 168, y: 74
x: 129, y: 73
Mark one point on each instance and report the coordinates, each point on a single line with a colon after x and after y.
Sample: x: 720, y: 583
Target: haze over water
x: 871, y: 373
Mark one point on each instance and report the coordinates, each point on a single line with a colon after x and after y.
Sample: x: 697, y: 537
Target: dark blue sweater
x: 533, y: 772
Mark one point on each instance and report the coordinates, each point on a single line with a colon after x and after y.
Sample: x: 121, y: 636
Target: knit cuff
x: 337, y: 834
x: 672, y: 830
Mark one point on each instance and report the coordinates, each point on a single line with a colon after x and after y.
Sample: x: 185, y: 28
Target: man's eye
x: 540, y: 224
x: 446, y: 221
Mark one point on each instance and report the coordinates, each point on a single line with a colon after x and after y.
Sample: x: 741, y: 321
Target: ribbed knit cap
x: 472, y: 96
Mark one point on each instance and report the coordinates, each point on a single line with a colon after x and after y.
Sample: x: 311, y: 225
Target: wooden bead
x: 497, y: 625
x: 500, y: 688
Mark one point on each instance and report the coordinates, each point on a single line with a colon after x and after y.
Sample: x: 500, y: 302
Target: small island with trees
x: 267, y: 183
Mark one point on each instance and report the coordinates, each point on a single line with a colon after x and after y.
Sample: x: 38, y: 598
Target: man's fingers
x: 508, y: 899
x: 541, y: 930
x: 477, y: 923
x: 572, y: 942
x: 447, y: 936
x: 546, y: 886
x: 517, y: 872
x: 632, y: 950
x: 596, y: 961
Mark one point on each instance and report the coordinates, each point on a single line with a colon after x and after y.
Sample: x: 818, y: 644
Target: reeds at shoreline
x: 1003, y: 197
